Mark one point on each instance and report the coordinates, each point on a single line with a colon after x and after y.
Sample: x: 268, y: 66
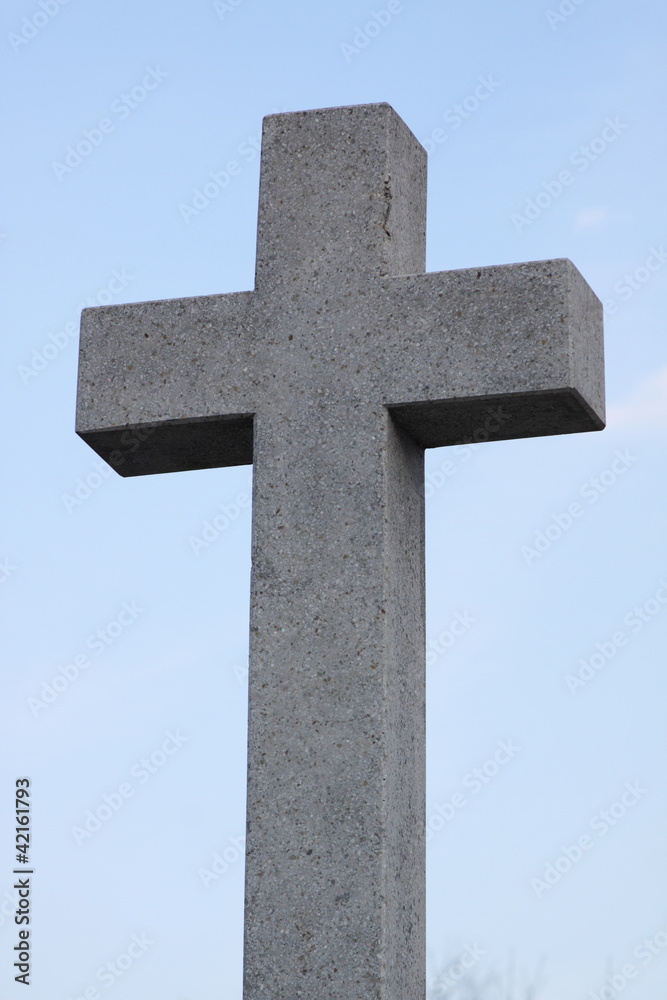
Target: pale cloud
x: 645, y: 408
x: 590, y: 217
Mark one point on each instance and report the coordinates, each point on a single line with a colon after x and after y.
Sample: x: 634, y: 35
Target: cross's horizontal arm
x: 172, y: 386
x: 525, y: 337
x: 163, y: 385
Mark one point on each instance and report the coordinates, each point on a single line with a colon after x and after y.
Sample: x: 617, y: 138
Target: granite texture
x: 333, y: 375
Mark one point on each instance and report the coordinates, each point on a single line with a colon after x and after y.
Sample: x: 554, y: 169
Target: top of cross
x: 342, y: 197
x: 341, y: 311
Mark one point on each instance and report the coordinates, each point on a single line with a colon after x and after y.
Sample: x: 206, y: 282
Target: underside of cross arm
x: 496, y: 417
x: 174, y: 445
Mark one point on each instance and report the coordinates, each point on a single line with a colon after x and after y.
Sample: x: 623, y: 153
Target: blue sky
x: 102, y: 583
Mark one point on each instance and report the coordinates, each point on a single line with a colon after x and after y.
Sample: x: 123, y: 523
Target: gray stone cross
x: 332, y: 376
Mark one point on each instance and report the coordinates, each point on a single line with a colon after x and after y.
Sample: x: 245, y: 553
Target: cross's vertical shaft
x: 335, y: 853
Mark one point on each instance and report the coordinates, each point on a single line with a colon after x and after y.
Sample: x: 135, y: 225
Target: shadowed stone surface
x: 332, y: 376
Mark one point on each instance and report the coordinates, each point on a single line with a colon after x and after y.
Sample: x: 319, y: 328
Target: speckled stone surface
x: 332, y: 376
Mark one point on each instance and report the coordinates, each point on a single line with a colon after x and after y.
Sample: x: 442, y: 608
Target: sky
x: 124, y: 602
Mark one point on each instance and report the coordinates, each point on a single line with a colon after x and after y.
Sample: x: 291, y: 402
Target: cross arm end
x: 523, y: 340
x: 163, y: 386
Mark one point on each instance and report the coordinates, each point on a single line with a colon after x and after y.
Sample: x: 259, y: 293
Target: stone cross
x: 332, y: 376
